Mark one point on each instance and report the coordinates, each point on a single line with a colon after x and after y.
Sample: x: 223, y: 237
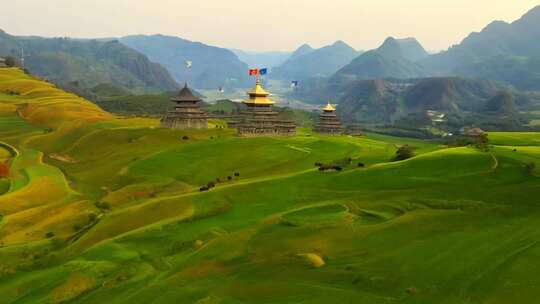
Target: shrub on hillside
x: 361, y: 165
x: 330, y: 168
x: 49, y: 234
x: 482, y: 142
x: 103, y: 205
x: 403, y: 153
x: 92, y: 217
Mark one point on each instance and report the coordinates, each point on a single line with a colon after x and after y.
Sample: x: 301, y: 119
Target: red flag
x: 253, y: 72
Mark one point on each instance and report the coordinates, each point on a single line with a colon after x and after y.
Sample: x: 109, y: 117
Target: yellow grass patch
x: 42, y: 103
x: 313, y: 259
x: 33, y: 224
x: 76, y: 285
x: 7, y: 108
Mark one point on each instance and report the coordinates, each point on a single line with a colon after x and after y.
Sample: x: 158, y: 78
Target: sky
x: 264, y: 25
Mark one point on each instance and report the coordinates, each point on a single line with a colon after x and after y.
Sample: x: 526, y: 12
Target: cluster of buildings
x: 259, y: 117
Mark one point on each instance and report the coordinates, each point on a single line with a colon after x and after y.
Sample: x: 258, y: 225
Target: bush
x: 49, y: 234
x: 236, y: 174
x: 482, y: 142
x: 229, y: 177
x: 361, y: 165
x: 211, y: 185
x: 92, y: 217
x: 204, y: 188
x: 329, y: 168
x: 76, y: 227
x: 317, y: 164
x: 403, y: 153
x: 103, y: 205
x: 185, y: 137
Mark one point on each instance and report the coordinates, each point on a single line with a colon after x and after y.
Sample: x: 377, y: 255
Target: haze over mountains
x: 506, y: 53
x: 212, y: 66
x: 394, y: 58
x: 262, y: 59
x: 307, y: 62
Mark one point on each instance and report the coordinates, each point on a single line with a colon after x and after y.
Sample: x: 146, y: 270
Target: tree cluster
x: 403, y: 153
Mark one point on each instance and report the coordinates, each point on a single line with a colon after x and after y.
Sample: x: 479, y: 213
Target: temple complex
x: 260, y: 119
x: 328, y: 121
x: 186, y: 114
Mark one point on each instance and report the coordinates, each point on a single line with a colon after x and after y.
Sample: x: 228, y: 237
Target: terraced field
x: 102, y: 209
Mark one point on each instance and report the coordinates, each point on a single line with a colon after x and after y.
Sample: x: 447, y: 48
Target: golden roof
x: 329, y: 108
x: 258, y: 95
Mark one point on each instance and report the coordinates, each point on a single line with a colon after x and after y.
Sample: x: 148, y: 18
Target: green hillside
x: 79, y: 65
x: 102, y: 209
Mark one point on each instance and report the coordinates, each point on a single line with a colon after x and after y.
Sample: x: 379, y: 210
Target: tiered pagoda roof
x: 328, y: 121
x: 258, y: 96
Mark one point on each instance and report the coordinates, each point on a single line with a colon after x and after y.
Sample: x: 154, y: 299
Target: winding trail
x: 495, y: 162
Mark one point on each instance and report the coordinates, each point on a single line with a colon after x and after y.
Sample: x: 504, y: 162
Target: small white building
x: 3, y: 62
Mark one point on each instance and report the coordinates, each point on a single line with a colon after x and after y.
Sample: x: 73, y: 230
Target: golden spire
x: 258, y: 95
x: 329, y: 108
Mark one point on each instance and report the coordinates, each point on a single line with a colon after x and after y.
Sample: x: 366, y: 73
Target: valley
x: 233, y: 152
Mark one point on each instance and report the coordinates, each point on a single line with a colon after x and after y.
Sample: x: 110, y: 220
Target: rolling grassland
x: 104, y: 209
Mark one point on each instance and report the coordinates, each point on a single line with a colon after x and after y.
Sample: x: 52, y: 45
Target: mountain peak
x: 340, y: 43
x: 495, y: 26
x: 390, y: 48
x: 408, y: 48
x: 302, y: 50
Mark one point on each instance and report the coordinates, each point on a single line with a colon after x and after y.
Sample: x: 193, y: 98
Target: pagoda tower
x: 328, y: 121
x: 186, y: 114
x: 260, y: 119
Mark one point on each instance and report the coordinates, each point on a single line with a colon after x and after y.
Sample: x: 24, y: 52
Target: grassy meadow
x: 104, y: 209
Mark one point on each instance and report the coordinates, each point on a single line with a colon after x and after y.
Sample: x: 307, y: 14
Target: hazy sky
x: 264, y: 24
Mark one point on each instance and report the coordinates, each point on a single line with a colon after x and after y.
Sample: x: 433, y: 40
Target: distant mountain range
x: 307, y: 62
x: 464, y: 101
x: 212, y: 67
x: 506, y: 52
x: 82, y: 64
x: 261, y: 59
x: 394, y: 58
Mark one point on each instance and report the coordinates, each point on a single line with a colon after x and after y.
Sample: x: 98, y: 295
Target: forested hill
x: 212, y: 67
x: 83, y: 64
